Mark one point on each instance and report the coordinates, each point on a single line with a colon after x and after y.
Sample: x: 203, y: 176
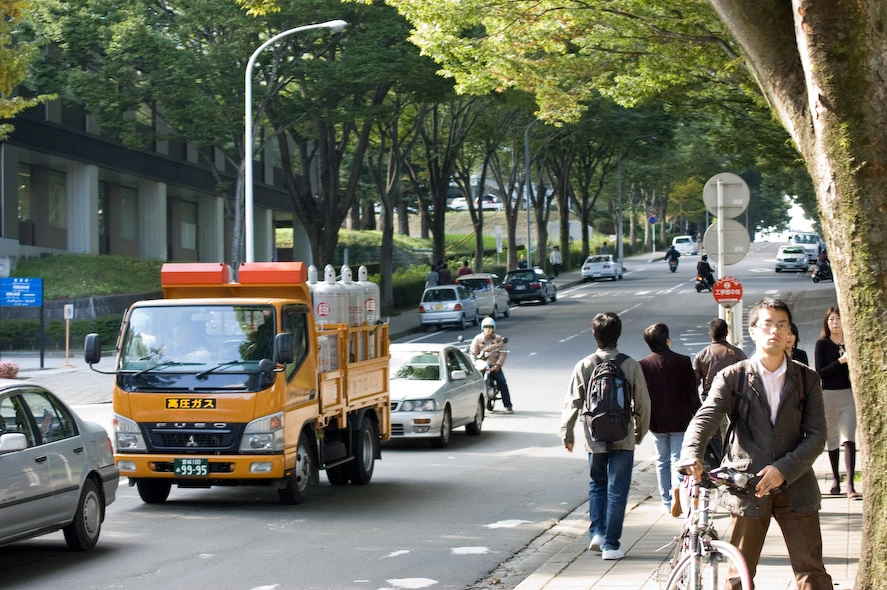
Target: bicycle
x: 701, y: 560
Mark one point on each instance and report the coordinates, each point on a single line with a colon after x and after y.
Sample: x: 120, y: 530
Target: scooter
x: 491, y: 388
x: 673, y: 265
x: 822, y: 273
x: 703, y: 284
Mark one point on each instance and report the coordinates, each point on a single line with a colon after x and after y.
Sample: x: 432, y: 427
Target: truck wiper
x: 202, y: 374
x: 161, y: 365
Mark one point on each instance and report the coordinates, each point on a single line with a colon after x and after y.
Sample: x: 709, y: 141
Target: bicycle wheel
x: 713, y: 569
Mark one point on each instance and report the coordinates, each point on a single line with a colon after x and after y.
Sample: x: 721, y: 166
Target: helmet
x: 488, y: 322
x: 705, y: 256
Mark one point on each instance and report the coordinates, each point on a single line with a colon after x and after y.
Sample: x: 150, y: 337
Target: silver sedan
x: 56, y: 470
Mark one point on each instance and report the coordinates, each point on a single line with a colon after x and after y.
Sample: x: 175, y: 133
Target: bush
x: 25, y: 334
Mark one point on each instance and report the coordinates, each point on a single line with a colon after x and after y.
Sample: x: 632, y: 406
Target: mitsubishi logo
x: 191, y: 442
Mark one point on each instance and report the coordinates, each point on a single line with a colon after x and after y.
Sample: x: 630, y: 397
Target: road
x: 430, y: 518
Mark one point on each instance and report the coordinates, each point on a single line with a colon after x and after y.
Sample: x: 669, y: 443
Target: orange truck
x: 234, y: 383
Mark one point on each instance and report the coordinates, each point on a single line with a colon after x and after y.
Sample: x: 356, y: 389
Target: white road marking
x: 506, y: 524
x: 470, y: 550
x: 396, y: 553
x: 411, y: 582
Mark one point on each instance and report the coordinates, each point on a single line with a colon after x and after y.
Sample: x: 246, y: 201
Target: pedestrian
x: 708, y: 362
x: 605, y: 249
x: 609, y: 464
x: 431, y: 277
x: 522, y: 261
x: 777, y: 432
x: 671, y: 384
x: 464, y: 269
x: 556, y: 260
x: 444, y: 277
x: 791, y: 346
x: 831, y: 359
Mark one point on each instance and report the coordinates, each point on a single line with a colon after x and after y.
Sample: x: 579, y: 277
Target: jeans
x: 668, y: 451
x: 608, y: 494
x: 503, y: 387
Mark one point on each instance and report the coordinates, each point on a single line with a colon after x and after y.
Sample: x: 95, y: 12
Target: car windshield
x: 806, y: 239
x: 526, y: 275
x: 415, y: 365
x: 594, y: 259
x: 793, y: 250
x: 476, y: 284
x: 439, y: 295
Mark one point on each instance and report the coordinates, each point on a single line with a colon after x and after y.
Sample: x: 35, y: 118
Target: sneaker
x: 596, y: 542
x: 613, y: 554
x: 665, y: 508
x: 509, y: 411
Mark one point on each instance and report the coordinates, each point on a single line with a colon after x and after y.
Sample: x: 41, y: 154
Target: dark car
x: 529, y: 284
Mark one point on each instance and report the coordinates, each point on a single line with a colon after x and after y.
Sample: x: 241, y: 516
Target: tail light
x: 457, y: 307
x: 535, y: 285
x: 421, y: 309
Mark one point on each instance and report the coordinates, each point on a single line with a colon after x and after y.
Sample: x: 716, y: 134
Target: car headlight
x: 421, y: 405
x: 127, y: 435
x: 263, y: 435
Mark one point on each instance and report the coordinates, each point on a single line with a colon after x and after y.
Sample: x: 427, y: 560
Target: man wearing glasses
x: 777, y: 425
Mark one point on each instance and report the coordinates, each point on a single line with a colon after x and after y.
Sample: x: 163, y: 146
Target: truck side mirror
x: 283, y: 348
x: 92, y: 349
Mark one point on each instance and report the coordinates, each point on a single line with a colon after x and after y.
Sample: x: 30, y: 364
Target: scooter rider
x: 493, y: 343
x: 703, y: 269
x: 672, y: 254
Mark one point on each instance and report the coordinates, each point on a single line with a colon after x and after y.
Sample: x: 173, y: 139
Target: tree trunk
x: 820, y: 64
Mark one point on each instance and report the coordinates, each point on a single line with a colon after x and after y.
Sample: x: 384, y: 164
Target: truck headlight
x: 419, y: 405
x: 263, y: 435
x: 127, y: 435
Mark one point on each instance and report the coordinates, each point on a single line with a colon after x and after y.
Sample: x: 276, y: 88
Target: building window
x: 25, y: 193
x: 129, y: 213
x: 58, y: 200
x: 189, y: 226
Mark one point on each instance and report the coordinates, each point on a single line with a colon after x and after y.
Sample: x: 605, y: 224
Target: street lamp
x: 529, y: 191
x: 336, y: 26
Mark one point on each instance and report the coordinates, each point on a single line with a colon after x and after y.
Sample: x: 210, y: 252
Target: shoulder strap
x: 740, y: 386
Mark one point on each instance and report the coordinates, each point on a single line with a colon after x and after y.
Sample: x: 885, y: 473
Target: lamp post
x: 529, y: 191
x: 335, y: 25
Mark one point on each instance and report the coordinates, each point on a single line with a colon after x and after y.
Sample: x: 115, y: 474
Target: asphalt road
x: 430, y: 518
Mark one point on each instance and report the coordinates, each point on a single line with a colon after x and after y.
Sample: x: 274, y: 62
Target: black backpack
x: 608, y: 402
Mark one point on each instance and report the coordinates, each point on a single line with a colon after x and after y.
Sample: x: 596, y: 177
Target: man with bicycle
x: 777, y: 430
x: 494, y: 345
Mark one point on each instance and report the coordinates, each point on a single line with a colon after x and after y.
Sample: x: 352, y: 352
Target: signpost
x: 727, y: 291
x: 24, y: 292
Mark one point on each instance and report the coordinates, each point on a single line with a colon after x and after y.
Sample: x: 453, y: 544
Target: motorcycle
x: 673, y: 265
x: 822, y: 273
x: 703, y: 284
x: 491, y: 388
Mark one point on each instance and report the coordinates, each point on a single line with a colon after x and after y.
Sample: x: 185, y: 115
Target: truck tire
x: 83, y: 532
x: 364, y: 453
x: 153, y: 491
x: 296, y: 490
x: 338, y: 475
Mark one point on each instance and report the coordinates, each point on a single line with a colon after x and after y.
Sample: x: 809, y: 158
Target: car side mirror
x: 458, y: 375
x: 14, y: 441
x: 92, y: 349
x: 283, y: 348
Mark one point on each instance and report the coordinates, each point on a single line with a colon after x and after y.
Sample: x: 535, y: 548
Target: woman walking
x: 840, y: 408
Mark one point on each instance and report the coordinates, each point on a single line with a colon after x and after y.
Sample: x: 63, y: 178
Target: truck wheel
x: 338, y: 475
x: 296, y: 490
x: 364, y: 453
x: 446, y: 431
x: 153, y: 491
x: 474, y: 428
x: 83, y: 532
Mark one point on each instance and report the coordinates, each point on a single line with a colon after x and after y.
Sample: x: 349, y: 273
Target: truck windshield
x: 191, y: 339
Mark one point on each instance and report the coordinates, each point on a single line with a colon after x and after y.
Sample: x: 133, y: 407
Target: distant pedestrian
x: 671, y: 383
x: 431, y: 277
x: 605, y: 249
x: 791, y: 346
x: 444, y: 277
x: 609, y: 464
x: 522, y: 261
x: 831, y: 360
x: 556, y: 260
x: 464, y: 269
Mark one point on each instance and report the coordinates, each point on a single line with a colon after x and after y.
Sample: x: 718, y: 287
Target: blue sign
x: 21, y: 292
x: 652, y: 219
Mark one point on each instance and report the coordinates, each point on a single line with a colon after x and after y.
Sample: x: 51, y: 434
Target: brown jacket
x: 713, y: 358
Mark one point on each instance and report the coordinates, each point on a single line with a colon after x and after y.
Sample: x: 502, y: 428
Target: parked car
x: 792, y: 258
x: 810, y: 241
x: 448, y: 304
x: 458, y: 204
x: 529, y: 284
x: 434, y: 389
x: 56, y: 470
x: 492, y: 298
x: 686, y: 245
x: 490, y: 203
x: 601, y: 266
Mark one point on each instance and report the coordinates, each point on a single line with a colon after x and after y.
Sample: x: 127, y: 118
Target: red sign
x: 323, y: 309
x: 727, y: 291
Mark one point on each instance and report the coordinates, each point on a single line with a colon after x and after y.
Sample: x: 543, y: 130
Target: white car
x: 791, y: 258
x: 56, y: 470
x: 601, y: 266
x: 686, y: 245
x: 458, y: 204
x: 434, y: 389
x: 448, y: 304
x: 492, y: 298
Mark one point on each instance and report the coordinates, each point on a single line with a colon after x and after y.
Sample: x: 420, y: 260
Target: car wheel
x: 83, y: 532
x: 462, y: 323
x: 153, y: 491
x: 544, y: 299
x: 476, y: 321
x: 474, y: 427
x: 554, y: 297
x: 364, y: 453
x: 442, y: 441
x: 296, y: 490
x: 495, y: 312
x: 778, y: 270
x: 508, y: 310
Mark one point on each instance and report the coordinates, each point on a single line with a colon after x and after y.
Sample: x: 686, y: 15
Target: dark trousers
x: 803, y: 539
x: 503, y: 387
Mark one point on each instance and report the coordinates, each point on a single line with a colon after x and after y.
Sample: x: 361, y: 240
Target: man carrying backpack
x: 595, y: 388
